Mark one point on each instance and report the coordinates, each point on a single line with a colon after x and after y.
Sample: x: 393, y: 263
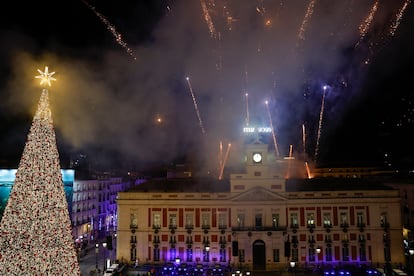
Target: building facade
x: 260, y: 220
x: 94, y: 209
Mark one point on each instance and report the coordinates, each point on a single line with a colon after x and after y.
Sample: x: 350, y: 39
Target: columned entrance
x: 259, y: 255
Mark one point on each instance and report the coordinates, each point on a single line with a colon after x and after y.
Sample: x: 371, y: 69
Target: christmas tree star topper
x: 45, y: 77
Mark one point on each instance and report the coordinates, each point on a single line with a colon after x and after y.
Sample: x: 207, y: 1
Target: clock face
x: 257, y: 157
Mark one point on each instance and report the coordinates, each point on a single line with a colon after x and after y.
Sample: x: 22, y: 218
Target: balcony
x: 327, y: 225
x: 172, y: 226
x: 156, y: 240
x: 189, y: 226
x: 361, y: 226
x: 344, y: 226
x: 311, y: 227
x: 156, y: 226
x: 385, y: 225
x: 294, y: 227
x: 262, y: 228
x: 222, y: 226
x: 205, y: 226
x: 328, y: 240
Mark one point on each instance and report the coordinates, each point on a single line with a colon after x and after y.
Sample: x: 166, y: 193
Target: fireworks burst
x: 364, y: 26
x: 305, y: 21
x: 247, y: 109
x: 195, y: 105
x: 325, y: 87
x: 226, y: 156
x: 112, y: 29
x: 207, y: 18
x: 273, y: 131
x: 399, y: 16
x: 303, y: 138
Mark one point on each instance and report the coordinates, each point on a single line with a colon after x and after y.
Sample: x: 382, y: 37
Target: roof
x: 334, y: 184
x: 206, y: 185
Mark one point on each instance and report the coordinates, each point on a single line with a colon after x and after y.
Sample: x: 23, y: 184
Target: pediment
x: 258, y: 194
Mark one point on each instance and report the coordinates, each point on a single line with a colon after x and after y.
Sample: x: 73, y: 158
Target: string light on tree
x: 35, y: 230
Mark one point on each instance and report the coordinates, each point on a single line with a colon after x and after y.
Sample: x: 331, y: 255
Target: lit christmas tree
x: 35, y: 231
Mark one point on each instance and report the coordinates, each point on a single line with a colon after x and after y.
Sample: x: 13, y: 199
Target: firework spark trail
x: 305, y: 21
x: 195, y: 105
x: 207, y: 18
x: 308, y: 172
x: 112, y: 29
x: 220, y: 157
x: 364, y: 26
x: 304, y: 138
x: 320, y: 123
x: 247, y: 109
x: 226, y: 156
x: 397, y: 21
x: 273, y: 131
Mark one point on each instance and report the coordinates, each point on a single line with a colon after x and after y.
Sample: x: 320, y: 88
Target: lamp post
x: 96, y: 255
x: 410, y: 265
x: 318, y: 251
x: 104, y: 246
x: 292, y: 266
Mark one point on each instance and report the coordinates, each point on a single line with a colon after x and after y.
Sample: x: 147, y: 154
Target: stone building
x: 260, y: 219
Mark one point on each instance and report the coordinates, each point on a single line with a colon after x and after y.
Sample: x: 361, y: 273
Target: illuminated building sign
x: 257, y: 130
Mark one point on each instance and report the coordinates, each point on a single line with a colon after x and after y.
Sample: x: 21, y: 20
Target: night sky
x: 122, y: 97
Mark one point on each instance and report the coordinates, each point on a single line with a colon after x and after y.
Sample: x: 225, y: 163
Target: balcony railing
x: 385, y: 225
x: 205, y: 226
x: 261, y: 228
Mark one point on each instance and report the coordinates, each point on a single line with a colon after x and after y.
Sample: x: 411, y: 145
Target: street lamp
x: 318, y: 251
x: 96, y: 254
x: 104, y: 245
x: 292, y: 266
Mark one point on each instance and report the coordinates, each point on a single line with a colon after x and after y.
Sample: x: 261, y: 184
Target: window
x: 294, y: 220
x: 327, y: 220
x: 295, y: 254
x: 134, y: 220
x: 345, y: 253
x: 328, y: 254
x: 362, y: 253
x: 275, y: 220
x: 258, y: 220
x: 205, y: 220
x: 222, y: 255
x: 311, y: 254
x: 206, y: 254
x: 241, y: 256
x: 133, y: 252
x: 222, y: 220
x: 384, y: 219
x: 173, y: 220
x: 240, y: 220
x: 276, y: 256
x: 189, y: 254
x: 157, y: 220
x: 344, y: 219
x: 173, y: 253
x: 189, y: 221
x: 156, y: 254
x: 311, y: 220
x: 360, y: 219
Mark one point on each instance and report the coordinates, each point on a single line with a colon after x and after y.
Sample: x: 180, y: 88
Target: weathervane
x: 45, y: 77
